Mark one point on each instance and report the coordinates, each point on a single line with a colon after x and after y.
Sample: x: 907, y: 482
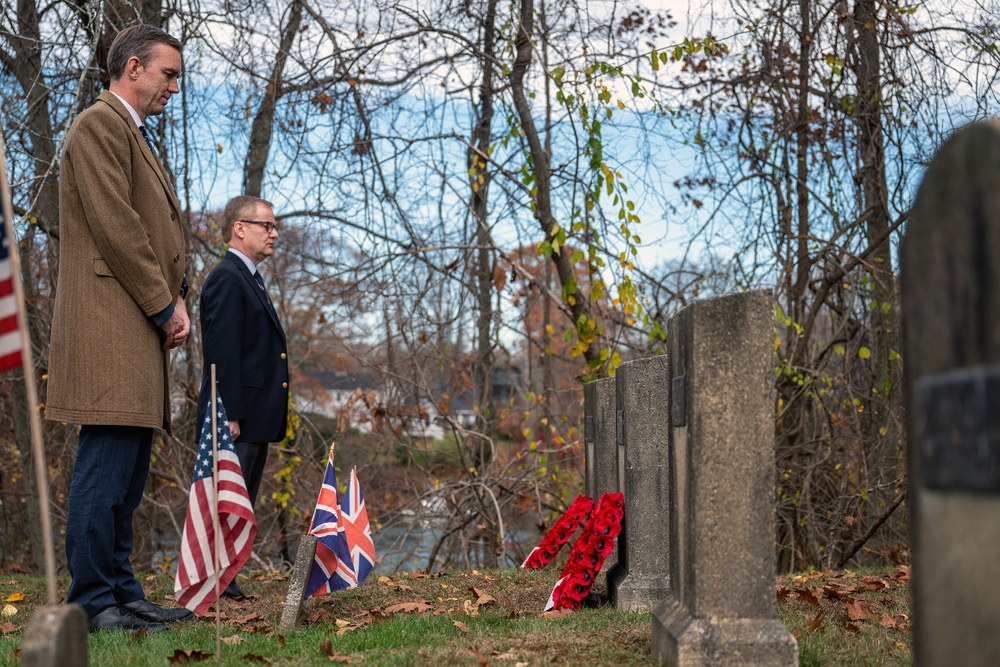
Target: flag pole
x: 215, y: 515
x: 37, y: 448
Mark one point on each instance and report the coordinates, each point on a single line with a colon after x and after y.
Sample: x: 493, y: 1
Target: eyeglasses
x: 268, y: 226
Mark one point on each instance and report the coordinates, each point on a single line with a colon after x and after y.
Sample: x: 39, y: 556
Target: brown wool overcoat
x: 121, y: 261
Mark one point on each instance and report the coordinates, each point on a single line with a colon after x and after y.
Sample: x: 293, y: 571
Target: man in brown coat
x: 119, y: 308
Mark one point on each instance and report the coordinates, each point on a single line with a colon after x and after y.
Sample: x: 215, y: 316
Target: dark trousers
x: 252, y: 458
x: 108, y: 478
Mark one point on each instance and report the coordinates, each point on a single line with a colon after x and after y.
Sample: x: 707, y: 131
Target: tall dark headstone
x: 602, y: 449
x: 721, y: 608
x: 950, y: 279
x: 641, y: 577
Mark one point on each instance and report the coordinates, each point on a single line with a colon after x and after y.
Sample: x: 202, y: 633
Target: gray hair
x: 136, y: 41
x: 237, y: 209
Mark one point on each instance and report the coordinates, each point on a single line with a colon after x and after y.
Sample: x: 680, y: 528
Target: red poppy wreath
x: 559, y: 534
x: 596, y: 542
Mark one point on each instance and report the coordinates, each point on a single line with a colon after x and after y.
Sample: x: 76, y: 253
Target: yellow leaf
x: 621, y: 105
x: 864, y: 353
x: 9, y: 610
x: 549, y: 329
x: 16, y: 596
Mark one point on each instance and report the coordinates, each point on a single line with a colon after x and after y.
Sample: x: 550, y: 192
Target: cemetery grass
x: 474, y: 618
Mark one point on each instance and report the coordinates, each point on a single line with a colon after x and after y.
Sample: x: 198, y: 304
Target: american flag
x: 354, y: 521
x: 194, y: 586
x: 332, y: 568
x: 10, y: 335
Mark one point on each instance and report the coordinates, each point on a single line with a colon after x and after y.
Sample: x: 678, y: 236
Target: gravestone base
x: 56, y: 636
x: 297, y: 583
x: 629, y: 591
x: 680, y: 639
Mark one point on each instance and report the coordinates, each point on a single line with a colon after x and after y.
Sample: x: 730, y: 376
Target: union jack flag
x: 194, y: 586
x: 332, y: 568
x: 10, y: 334
x: 354, y: 523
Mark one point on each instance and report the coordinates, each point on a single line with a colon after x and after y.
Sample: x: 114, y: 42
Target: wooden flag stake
x: 28, y: 363
x: 215, y: 515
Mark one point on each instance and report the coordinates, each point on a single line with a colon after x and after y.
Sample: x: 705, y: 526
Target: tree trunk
x: 540, y: 160
x: 263, y: 123
x: 884, y: 446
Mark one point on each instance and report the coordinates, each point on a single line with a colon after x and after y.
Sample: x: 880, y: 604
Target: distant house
x: 350, y: 398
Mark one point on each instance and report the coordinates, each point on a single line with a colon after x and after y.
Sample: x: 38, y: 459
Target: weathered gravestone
x: 721, y: 608
x: 297, y: 583
x: 55, y: 637
x: 950, y: 270
x: 601, y: 447
x: 640, y: 578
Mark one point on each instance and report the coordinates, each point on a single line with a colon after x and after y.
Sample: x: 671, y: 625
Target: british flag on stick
x: 345, y: 553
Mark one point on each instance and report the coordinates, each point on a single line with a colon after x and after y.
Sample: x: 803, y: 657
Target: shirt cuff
x: 161, y: 317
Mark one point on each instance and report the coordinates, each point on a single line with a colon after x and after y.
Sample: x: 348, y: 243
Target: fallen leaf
x: 904, y: 574
x: 482, y: 658
x: 506, y: 655
x: 887, y: 621
x: 9, y: 610
x: 16, y: 596
x: 556, y: 613
x: 318, y: 615
x: 816, y: 623
x: 809, y: 596
x: 234, y: 640
x: 253, y: 657
x: 860, y: 611
x: 140, y: 634
x: 7, y: 627
x: 386, y: 580
x: 461, y: 626
x: 181, y: 656
x: 852, y: 627
x: 247, y: 618
x: 783, y: 592
x: 280, y: 639
x: 874, y: 584
x: 406, y: 607
x: 404, y: 587
x: 837, y: 594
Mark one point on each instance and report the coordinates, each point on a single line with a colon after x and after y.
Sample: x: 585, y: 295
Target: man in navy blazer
x: 241, y: 335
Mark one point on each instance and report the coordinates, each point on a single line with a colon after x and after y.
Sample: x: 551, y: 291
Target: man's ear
x: 132, y: 67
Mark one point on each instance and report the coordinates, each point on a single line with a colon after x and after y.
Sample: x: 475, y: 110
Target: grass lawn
x: 475, y: 618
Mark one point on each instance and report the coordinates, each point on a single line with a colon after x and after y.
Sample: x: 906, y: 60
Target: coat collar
x: 112, y: 100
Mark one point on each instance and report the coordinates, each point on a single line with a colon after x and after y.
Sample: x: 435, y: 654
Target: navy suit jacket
x: 242, y: 336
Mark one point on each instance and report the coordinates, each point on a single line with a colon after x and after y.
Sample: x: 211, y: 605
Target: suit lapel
x: 151, y: 159
x: 261, y: 294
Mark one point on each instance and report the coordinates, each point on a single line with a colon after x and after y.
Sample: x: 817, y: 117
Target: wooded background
x: 485, y: 204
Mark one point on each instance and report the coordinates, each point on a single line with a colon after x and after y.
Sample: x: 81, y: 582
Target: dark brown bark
x: 540, y: 161
x: 263, y: 122
x: 479, y: 171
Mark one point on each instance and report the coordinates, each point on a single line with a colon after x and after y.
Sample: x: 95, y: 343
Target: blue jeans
x: 112, y: 463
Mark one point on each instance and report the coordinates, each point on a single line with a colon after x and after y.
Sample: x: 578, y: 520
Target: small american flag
x: 354, y: 521
x: 332, y: 568
x: 10, y: 335
x: 194, y: 586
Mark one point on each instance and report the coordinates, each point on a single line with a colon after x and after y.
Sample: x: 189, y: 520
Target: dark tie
x: 260, y: 281
x: 149, y: 142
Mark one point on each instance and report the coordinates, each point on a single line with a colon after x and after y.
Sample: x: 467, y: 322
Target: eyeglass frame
x: 266, y: 224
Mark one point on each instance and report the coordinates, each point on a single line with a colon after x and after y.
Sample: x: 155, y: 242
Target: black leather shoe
x: 148, y: 611
x: 114, y: 617
x: 233, y: 591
